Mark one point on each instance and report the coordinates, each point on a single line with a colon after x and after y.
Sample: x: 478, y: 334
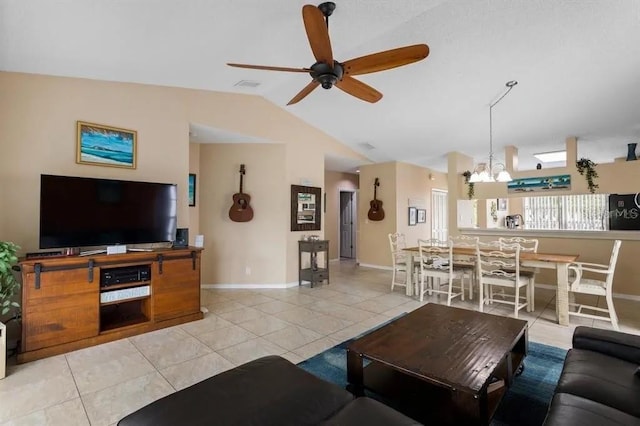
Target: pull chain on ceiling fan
x: 327, y: 72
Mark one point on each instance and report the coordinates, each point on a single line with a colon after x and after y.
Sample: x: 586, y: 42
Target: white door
x: 439, y: 216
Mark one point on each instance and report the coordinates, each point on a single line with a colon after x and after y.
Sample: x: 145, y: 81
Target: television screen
x: 84, y: 212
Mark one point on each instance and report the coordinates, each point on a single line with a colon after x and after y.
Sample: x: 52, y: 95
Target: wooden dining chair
x: 595, y: 287
x: 438, y: 269
x: 467, y: 262
x: 526, y: 245
x: 499, y: 265
x: 397, y: 242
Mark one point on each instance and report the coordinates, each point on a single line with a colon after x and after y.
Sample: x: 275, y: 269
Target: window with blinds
x: 575, y: 212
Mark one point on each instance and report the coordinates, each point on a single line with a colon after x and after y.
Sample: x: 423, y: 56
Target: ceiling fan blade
x: 304, y: 92
x: 268, y: 68
x: 386, y: 60
x: 359, y: 89
x: 317, y: 33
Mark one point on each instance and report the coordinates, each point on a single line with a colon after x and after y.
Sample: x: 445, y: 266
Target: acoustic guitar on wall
x: 241, y: 211
x: 375, y: 211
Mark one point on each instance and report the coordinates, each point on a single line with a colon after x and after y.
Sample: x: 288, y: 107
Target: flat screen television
x: 87, y: 212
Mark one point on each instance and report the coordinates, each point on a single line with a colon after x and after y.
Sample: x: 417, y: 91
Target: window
x: 571, y: 212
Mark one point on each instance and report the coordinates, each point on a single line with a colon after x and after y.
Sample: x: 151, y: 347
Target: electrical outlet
x: 247, y: 270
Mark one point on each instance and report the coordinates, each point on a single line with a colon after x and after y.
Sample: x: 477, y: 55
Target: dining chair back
x: 499, y: 265
x: 530, y: 245
x: 526, y: 245
x: 595, y: 287
x: 436, y: 263
x: 467, y: 262
x: 397, y: 242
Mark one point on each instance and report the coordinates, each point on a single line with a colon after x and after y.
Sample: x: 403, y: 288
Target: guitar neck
x: 241, y: 182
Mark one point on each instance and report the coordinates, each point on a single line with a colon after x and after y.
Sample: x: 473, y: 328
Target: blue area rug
x: 525, y: 403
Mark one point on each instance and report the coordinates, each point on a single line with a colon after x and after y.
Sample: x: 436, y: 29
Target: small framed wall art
x: 422, y: 216
x: 413, y: 216
x: 101, y: 145
x: 192, y: 190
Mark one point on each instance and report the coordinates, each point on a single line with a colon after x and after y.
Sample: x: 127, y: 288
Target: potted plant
x: 9, y: 287
x: 470, y: 185
x: 587, y: 168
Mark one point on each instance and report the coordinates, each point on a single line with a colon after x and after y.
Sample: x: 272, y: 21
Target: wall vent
x: 247, y: 83
x: 367, y: 146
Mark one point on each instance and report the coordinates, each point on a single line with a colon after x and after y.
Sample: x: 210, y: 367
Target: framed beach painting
x: 101, y: 145
x: 192, y: 190
x: 413, y: 216
x: 422, y: 215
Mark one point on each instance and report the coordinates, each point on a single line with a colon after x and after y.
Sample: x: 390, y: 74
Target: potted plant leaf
x: 9, y: 288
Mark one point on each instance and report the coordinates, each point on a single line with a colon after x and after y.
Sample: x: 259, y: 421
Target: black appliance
x: 124, y: 275
x: 514, y: 221
x: 624, y: 212
x: 182, y: 237
x: 84, y: 212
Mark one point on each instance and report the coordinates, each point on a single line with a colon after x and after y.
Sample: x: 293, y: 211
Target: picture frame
x: 502, y: 204
x: 422, y: 215
x: 542, y: 183
x: 306, y: 208
x: 413, y: 216
x: 192, y: 190
x: 100, y: 145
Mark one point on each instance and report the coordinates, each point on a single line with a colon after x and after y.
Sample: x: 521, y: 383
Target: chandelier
x: 491, y: 172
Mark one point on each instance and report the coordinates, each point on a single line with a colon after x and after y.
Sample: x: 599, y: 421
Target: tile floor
x: 99, y: 385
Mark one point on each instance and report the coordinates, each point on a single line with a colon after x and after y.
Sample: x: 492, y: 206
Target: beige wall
x: 37, y: 134
x: 373, y: 243
x: 334, y: 182
x: 399, y: 183
x: 244, y: 252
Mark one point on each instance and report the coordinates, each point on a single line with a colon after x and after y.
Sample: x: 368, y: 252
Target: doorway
x: 348, y: 224
x: 439, y: 216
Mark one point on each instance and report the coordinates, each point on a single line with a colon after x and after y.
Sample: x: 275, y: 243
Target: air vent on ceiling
x: 247, y: 83
x: 367, y: 146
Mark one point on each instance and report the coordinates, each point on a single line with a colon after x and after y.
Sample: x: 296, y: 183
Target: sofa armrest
x: 613, y: 343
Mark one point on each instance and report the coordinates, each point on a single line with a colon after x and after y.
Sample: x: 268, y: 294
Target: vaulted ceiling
x: 577, y: 64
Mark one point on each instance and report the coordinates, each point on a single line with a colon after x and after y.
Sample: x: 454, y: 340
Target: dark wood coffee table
x: 440, y: 363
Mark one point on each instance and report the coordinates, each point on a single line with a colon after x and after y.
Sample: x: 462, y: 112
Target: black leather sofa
x: 266, y: 391
x: 600, y: 381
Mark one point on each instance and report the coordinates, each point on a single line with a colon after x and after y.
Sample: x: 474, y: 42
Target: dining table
x: 557, y: 261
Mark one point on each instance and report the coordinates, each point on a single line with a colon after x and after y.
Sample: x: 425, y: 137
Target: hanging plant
x: 587, y: 169
x: 470, y: 185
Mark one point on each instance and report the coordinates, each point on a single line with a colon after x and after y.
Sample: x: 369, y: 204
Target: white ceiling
x: 577, y: 63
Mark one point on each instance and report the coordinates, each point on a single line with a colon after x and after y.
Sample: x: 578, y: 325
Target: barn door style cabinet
x: 70, y: 303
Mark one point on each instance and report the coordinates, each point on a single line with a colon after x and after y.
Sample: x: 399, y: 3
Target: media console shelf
x: 68, y: 304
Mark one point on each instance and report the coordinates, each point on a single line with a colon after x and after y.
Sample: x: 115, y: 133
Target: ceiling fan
x: 328, y: 72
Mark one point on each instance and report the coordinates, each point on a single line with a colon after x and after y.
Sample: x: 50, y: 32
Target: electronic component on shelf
x: 125, y: 275
x: 125, y: 294
x: 43, y: 254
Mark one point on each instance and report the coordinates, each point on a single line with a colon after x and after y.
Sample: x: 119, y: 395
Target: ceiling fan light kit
x: 493, y: 172
x: 327, y: 72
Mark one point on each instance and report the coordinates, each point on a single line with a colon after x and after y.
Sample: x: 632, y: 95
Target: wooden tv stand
x: 65, y: 307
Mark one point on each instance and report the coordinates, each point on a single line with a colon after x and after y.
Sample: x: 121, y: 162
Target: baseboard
x: 615, y: 295
x: 386, y: 268
x: 249, y: 286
